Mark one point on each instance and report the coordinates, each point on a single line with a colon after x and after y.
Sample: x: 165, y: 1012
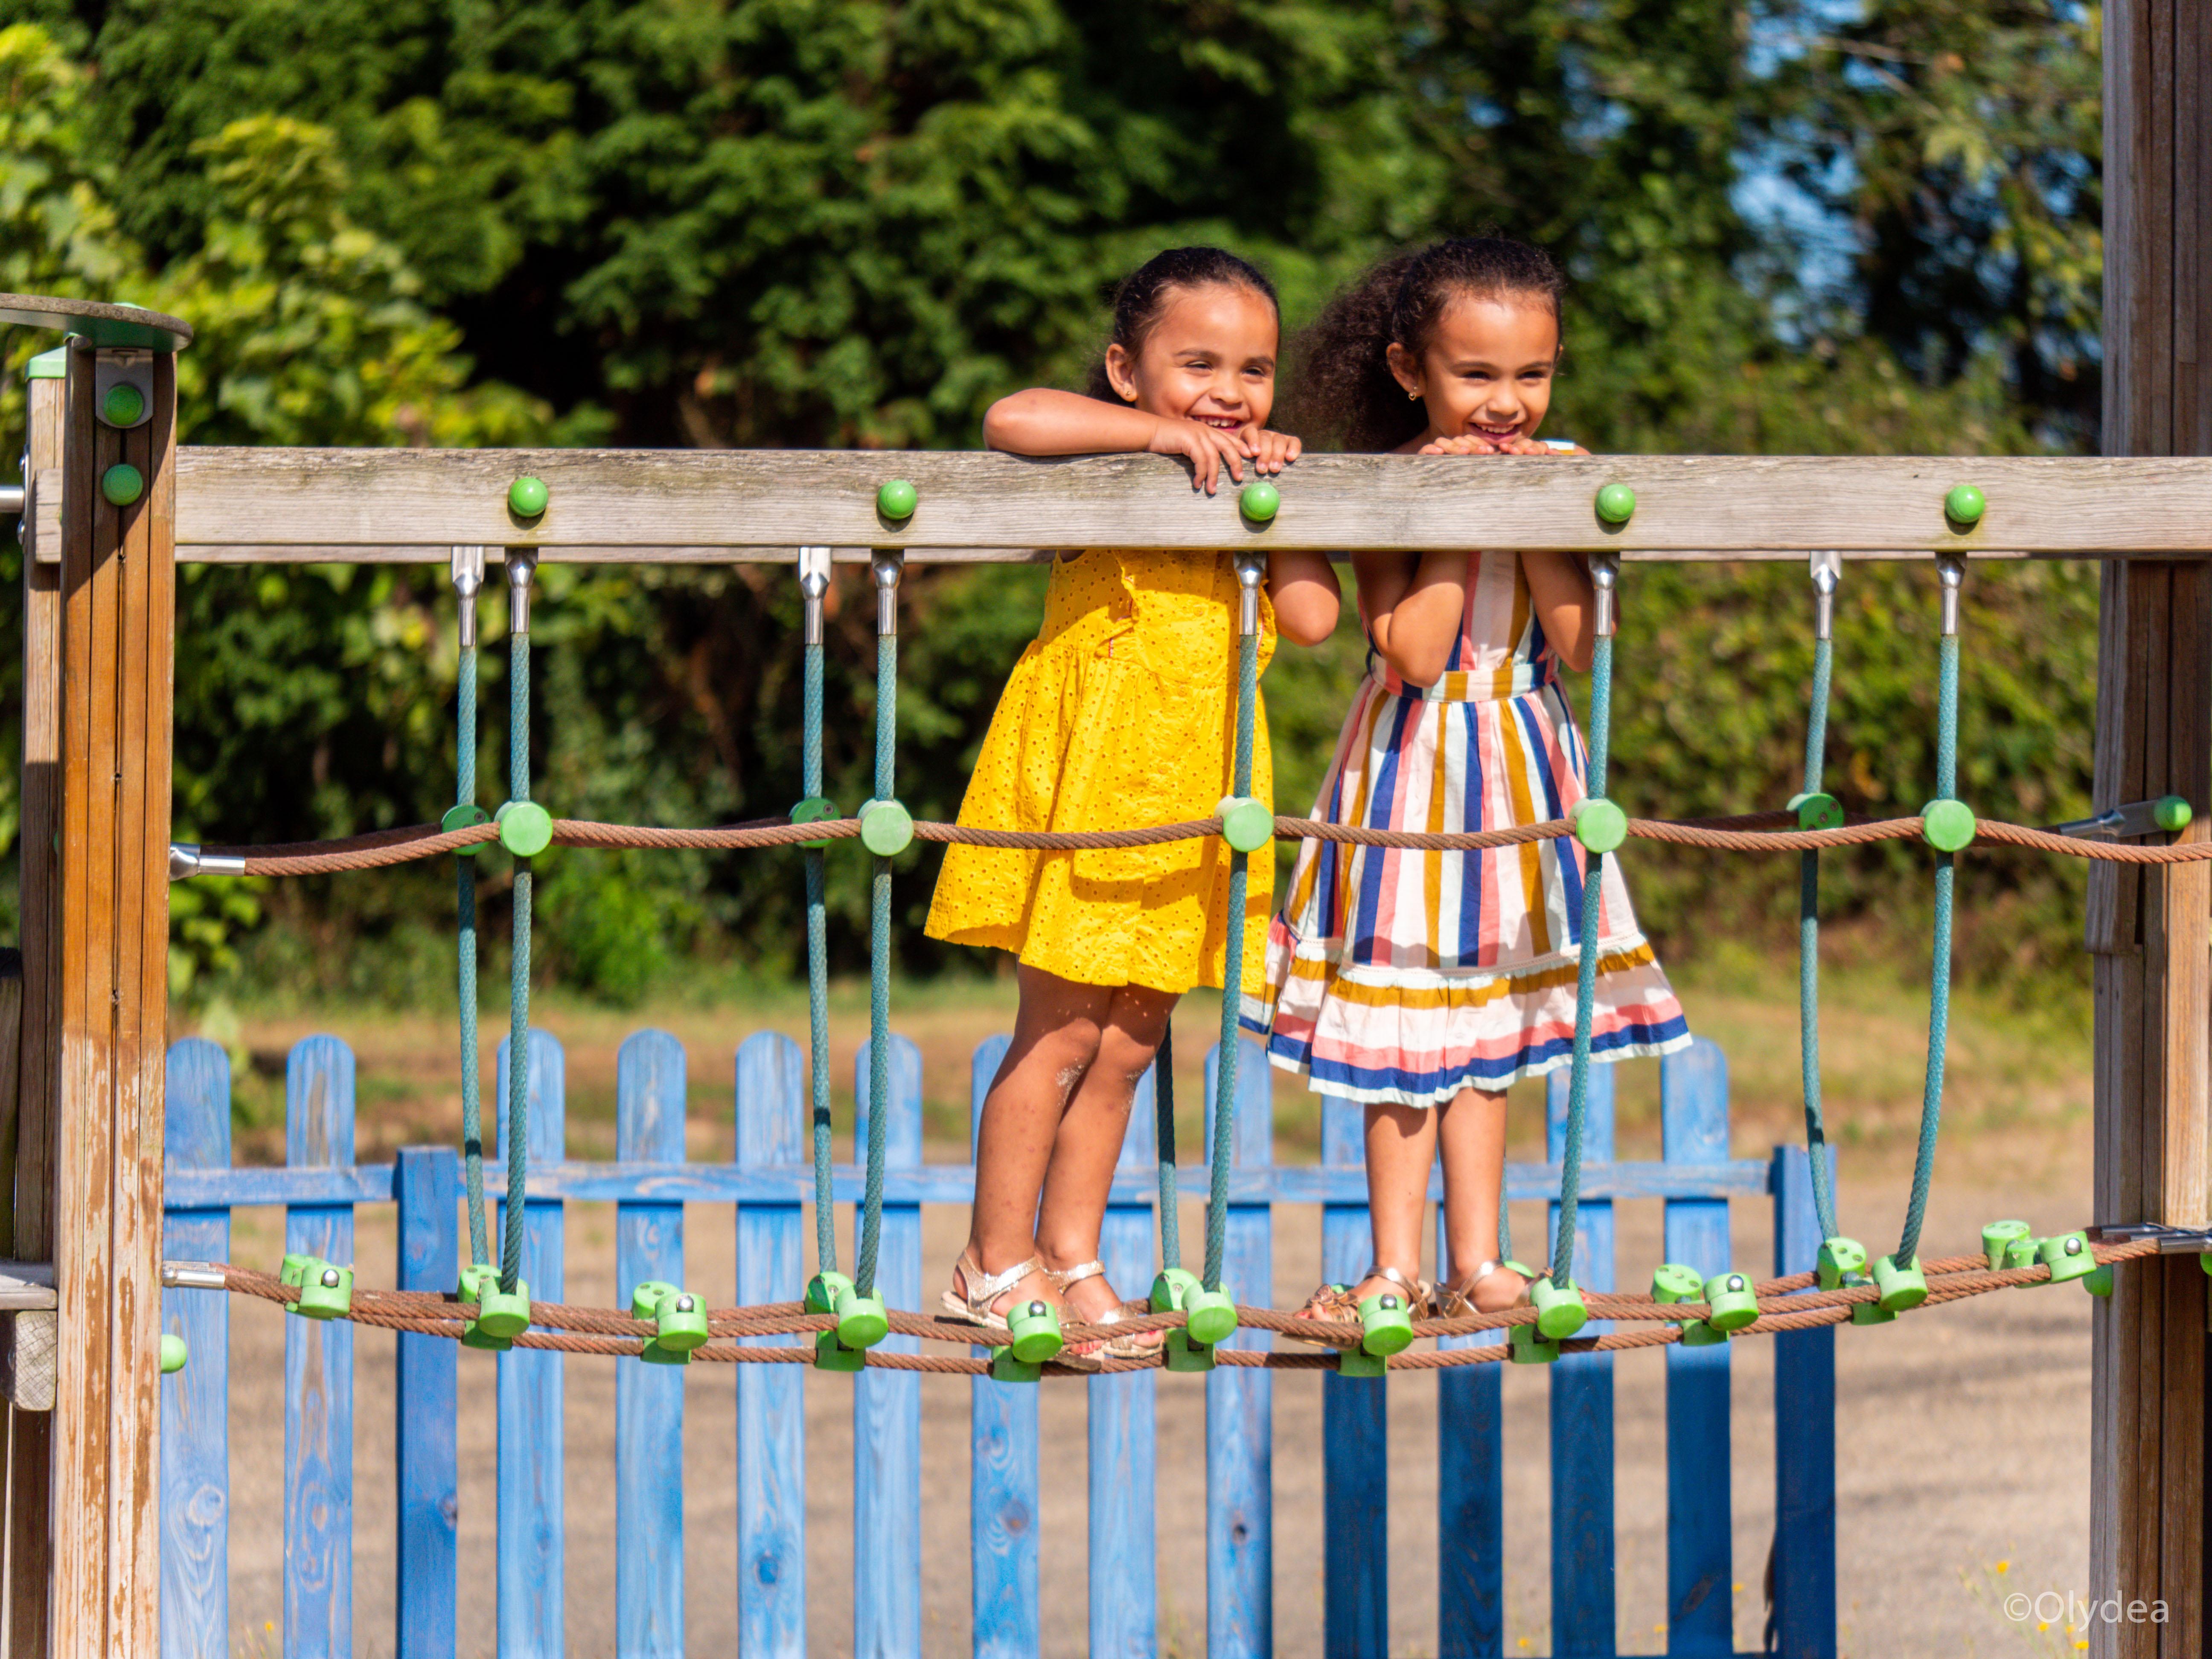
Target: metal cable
x: 1571, y: 1164
x: 465, y: 794
x: 818, y: 977
x: 880, y: 972
x: 518, y: 1047
x: 1939, y: 973
x: 1163, y: 1119
x: 1808, y: 947
x: 1232, y: 970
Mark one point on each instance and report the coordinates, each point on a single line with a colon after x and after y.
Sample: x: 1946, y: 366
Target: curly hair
x: 1143, y: 294
x: 1345, y: 389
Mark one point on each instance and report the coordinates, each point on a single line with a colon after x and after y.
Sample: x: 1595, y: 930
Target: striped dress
x: 1400, y: 975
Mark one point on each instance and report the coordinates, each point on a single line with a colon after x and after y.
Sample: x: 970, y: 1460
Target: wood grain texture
x: 1581, y: 1417
x: 196, y: 1402
x: 695, y: 499
x: 1804, y: 1433
x: 318, y: 1130
x: 771, y: 1128
x: 1470, y: 1498
x: 426, y: 1399
x: 532, y: 1472
x: 886, y: 1404
x: 1355, y: 1426
x: 1693, y: 1123
x: 649, y: 1103
x: 1124, y: 1574
x: 1240, y: 1404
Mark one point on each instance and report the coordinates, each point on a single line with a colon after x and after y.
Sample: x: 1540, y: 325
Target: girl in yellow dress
x: 1117, y: 717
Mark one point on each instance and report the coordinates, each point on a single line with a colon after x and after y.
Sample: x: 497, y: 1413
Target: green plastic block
x: 683, y: 1323
x: 125, y: 405
x: 1246, y: 824
x: 1007, y: 1367
x: 1671, y: 1282
x: 886, y: 828
x: 1035, y: 1329
x: 831, y: 1355
x: 896, y: 499
x: 2069, y: 1257
x: 294, y: 1272
x: 2205, y: 1261
x: 1947, y: 825
x: 1901, y: 1287
x: 861, y: 1320
x: 1259, y: 500
x: 1870, y: 1313
x: 1697, y: 1333
x: 2173, y: 813
x: 1387, y: 1324
x: 653, y: 1354
x: 1817, y: 812
x: 1964, y: 505
x: 1212, y: 1316
x: 1357, y: 1361
x: 526, y: 828
x: 466, y: 815
x: 823, y: 1290
x: 645, y: 1300
x: 2020, y: 1252
x: 327, y: 1292
x: 48, y: 365
x: 1997, y: 1237
x: 1185, y: 1355
x: 526, y: 496
x: 815, y: 809
x: 1730, y: 1298
x: 502, y: 1313
x: 1524, y: 1347
x: 2100, y: 1283
x: 1616, y: 504
x: 174, y: 1353
x: 1600, y: 825
x: 476, y: 1281
x: 1559, y: 1309
x: 122, y: 484
x: 1839, y: 1259
x: 1171, y: 1287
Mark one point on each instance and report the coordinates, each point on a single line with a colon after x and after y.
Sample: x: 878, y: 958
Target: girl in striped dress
x: 1422, y: 984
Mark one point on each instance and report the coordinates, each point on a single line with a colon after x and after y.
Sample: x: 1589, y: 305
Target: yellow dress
x: 1116, y: 717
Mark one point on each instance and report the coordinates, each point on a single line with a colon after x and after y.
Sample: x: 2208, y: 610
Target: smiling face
x: 1210, y: 356
x: 1486, y: 370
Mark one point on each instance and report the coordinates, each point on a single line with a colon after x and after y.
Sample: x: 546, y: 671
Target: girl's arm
x: 1414, y: 605
x: 1043, y: 421
x: 1559, y: 587
x: 1303, y: 588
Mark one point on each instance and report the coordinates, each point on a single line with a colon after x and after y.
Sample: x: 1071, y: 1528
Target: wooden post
x: 2150, y: 931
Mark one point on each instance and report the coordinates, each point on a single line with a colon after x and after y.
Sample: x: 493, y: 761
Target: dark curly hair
x: 1143, y: 296
x: 1345, y: 389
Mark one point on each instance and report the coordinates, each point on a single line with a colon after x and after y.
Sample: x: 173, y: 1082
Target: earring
x: 1413, y: 396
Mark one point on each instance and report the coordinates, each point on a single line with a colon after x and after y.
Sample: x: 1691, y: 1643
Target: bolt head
x: 122, y: 484
x: 1964, y: 505
x: 526, y: 496
x: 1616, y: 504
x: 1260, y: 501
x: 125, y: 405
x: 896, y: 499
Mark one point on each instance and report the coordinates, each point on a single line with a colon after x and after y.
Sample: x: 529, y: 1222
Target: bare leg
x: 1472, y: 1135
x: 1401, y: 1147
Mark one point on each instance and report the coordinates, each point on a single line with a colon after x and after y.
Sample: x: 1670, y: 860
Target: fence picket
x: 1582, y: 1600
x: 318, y: 1368
x: 1240, y: 1404
x: 1693, y: 1117
x: 196, y: 1402
x: 887, y: 1404
x: 1125, y: 1619
x: 1002, y: 1471
x: 426, y: 1395
x: 532, y: 1519
x: 1355, y: 1430
x: 649, y: 1105
x: 771, y: 1128
x: 1804, y: 1434
x: 1470, y: 1491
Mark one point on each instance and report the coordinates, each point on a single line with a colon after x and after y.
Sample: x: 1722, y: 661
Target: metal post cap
x: 896, y: 500
x: 526, y: 496
x: 122, y: 484
x: 1964, y: 505
x: 1616, y: 504
x: 1259, y: 500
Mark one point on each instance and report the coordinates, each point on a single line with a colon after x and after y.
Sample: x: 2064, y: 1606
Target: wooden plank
x: 649, y: 1108
x: 771, y: 1128
x: 318, y: 1126
x: 532, y: 1492
x: 1693, y: 1123
x: 1580, y: 1415
x: 1804, y: 1433
x: 1470, y: 1499
x: 1124, y: 1571
x: 196, y: 1402
x: 1354, y: 1428
x: 1002, y: 1466
x: 1240, y: 1404
x: 695, y: 499
x: 426, y: 1390
x: 886, y: 1404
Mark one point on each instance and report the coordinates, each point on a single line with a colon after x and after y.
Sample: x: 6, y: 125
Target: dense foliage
x: 1794, y: 226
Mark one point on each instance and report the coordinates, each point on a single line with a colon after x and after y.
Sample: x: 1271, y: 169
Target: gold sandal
x: 1336, y: 1305
x: 1448, y: 1301
x: 972, y: 1305
x: 1136, y: 1346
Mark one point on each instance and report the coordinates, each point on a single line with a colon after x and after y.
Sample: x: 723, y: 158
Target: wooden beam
x: 687, y: 503
x: 2152, y: 932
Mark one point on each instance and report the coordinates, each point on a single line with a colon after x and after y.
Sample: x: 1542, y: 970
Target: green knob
x: 526, y: 496
x: 2069, y: 1257
x: 2173, y: 813
x: 861, y: 1320
x: 1732, y: 1305
x: 815, y: 809
x: 645, y: 1301
x: 1172, y: 1288
x: 121, y: 484
x: 1211, y: 1316
x: 831, y: 1355
x: 1901, y: 1287
x: 1559, y: 1309
x: 1524, y: 1347
x: 1260, y: 501
x: 294, y: 1272
x: 1358, y: 1361
x: 1965, y: 505
x: 466, y: 816
x: 897, y: 501
x: 502, y: 1314
x: 1600, y: 825
x: 1616, y: 504
x: 1387, y: 1326
x: 2100, y: 1283
x: 1997, y: 1237
x: 683, y: 1323
x: 1870, y: 1313
x: 477, y: 1282
x: 1671, y: 1282
x: 1246, y: 824
x: 172, y: 1353
x: 123, y: 406
x: 526, y: 828
x: 886, y: 828
x: 1947, y: 825
x: 327, y: 1292
x: 1034, y: 1327
x: 2020, y: 1252
x: 1840, y: 1259
x: 823, y: 1290
x: 1817, y: 812
x: 1184, y: 1355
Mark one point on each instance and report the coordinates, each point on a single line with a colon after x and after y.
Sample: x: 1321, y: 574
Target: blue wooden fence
x: 769, y: 1184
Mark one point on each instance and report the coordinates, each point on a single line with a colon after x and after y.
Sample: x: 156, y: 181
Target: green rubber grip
x: 1671, y: 1282
x: 1387, y: 1324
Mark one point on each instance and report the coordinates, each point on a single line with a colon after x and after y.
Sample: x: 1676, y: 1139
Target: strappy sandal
x: 1336, y: 1305
x: 1448, y: 1301
x: 971, y: 1304
x: 1134, y: 1346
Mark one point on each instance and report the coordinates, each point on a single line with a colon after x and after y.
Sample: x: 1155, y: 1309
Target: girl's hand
x: 1465, y: 443
x: 1274, y: 451
x: 1207, y: 448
